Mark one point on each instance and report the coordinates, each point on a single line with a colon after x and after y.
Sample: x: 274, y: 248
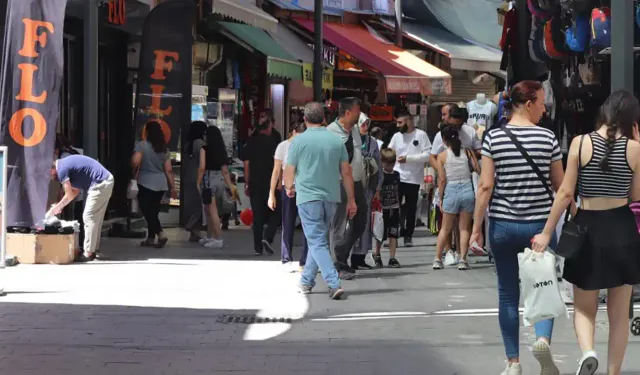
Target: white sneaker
x: 542, y: 352
x: 214, y: 244
x: 512, y: 369
x: 289, y: 267
x: 588, y: 364
x: 204, y: 240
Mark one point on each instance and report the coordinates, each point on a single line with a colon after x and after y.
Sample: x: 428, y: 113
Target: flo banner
x: 164, y: 77
x: 32, y: 69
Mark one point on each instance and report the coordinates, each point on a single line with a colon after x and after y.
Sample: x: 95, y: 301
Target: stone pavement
x: 182, y: 309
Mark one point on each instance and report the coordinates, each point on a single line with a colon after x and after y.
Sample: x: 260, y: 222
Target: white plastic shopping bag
x: 450, y: 259
x: 132, y: 189
x: 378, y: 225
x: 540, y: 287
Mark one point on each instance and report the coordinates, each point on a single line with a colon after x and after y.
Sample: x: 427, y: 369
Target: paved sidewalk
x: 182, y: 309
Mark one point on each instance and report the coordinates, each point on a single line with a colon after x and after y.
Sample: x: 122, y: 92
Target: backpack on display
x: 582, y: 7
x: 601, y: 28
x: 536, y: 42
x: 577, y: 36
x: 547, y: 5
x: 537, y: 11
x: 554, y: 49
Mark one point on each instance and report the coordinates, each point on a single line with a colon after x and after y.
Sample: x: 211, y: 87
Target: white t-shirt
x: 468, y: 139
x: 281, y: 153
x: 379, y: 144
x: 415, y: 146
x: 357, y: 163
x: 481, y: 114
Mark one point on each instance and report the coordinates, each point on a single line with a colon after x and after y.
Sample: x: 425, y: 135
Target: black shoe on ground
x: 393, y: 263
x: 267, y: 247
x: 346, y: 275
x: 377, y: 260
x: 336, y: 293
x: 82, y: 258
x: 419, y: 223
x: 408, y: 242
x: 258, y: 253
x: 225, y: 226
x: 340, y: 266
x: 358, y: 261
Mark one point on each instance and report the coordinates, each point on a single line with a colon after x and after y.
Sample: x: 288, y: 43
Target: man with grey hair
x: 316, y: 161
x: 346, y: 231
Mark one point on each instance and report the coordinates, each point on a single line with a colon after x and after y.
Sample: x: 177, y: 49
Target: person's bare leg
x: 445, y: 233
x: 393, y: 245
x: 618, y: 301
x: 585, y: 303
x: 214, y: 227
x: 464, y: 225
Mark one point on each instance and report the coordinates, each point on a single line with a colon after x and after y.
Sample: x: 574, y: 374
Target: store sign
x: 117, y: 12
x: 402, y: 85
x: 381, y: 113
x: 327, y: 76
x: 328, y: 54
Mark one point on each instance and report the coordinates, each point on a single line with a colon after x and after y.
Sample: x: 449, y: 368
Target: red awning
x: 403, y: 71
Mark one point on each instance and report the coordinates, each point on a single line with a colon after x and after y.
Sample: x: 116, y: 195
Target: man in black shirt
x: 267, y: 116
x: 257, y: 155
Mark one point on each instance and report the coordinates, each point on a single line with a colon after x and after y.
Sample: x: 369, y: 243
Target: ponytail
x: 452, y: 138
x: 612, y: 130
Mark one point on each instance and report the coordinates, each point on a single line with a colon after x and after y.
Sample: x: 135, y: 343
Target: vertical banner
x: 163, y: 92
x: 32, y: 70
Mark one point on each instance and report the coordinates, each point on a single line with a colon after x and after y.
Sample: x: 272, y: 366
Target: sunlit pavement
x: 187, y: 310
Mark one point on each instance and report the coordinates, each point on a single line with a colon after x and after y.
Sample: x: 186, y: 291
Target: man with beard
x: 412, y: 149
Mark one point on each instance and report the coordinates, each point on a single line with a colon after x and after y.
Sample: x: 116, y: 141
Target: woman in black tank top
x: 605, y: 166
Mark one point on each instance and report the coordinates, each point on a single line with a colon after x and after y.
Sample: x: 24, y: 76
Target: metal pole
x: 317, y: 51
x: 90, y: 70
x: 622, y: 45
x: 398, y: 9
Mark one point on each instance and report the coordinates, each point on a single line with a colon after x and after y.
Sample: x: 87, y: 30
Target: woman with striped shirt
x: 521, y: 164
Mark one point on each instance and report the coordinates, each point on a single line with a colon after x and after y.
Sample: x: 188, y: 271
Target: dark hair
x: 376, y: 132
x: 216, y: 152
x: 347, y: 104
x: 451, y: 137
x: 405, y: 114
x: 457, y: 113
x: 197, y: 130
x: 620, y: 112
x: 269, y: 113
x: 521, y: 93
x: 452, y: 106
x: 298, y: 128
x: 155, y: 136
x: 388, y: 155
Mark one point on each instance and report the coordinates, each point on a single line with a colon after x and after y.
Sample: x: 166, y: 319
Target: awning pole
x: 90, y: 118
x: 317, y: 51
x: 622, y: 45
x: 398, y: 9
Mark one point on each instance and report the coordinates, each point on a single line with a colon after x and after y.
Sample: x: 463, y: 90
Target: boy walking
x: 390, y: 201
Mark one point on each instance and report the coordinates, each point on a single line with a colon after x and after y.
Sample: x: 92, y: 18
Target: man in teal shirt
x: 316, y: 161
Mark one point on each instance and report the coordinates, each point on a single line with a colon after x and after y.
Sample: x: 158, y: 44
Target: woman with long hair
x: 213, y: 179
x: 605, y: 164
x: 192, y: 202
x: 455, y: 166
x: 289, y: 207
x: 521, y: 167
x: 151, y: 164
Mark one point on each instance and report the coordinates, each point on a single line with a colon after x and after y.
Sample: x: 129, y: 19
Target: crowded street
x: 168, y: 312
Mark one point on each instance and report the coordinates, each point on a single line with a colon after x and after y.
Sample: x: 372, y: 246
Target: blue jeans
x: 316, y: 217
x: 508, y: 238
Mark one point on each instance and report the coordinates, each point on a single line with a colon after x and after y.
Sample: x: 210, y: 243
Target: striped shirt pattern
x: 594, y: 182
x: 518, y: 193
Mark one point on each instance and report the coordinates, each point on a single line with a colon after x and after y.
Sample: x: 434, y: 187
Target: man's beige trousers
x: 95, y: 207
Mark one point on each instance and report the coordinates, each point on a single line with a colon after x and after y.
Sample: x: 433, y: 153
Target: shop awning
x: 403, y: 71
x: 280, y: 63
x: 464, y: 55
x: 245, y: 11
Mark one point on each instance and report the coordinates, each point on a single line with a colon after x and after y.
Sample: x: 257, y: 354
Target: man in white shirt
x: 345, y: 231
x: 467, y: 133
x: 412, y: 148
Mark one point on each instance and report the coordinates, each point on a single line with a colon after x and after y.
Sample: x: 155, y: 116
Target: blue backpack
x: 577, y: 36
x: 601, y: 27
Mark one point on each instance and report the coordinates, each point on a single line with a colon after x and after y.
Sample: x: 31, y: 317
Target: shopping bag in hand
x: 377, y: 221
x: 132, y: 189
x: 540, y: 287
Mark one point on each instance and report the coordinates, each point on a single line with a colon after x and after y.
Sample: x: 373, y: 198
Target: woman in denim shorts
x: 457, y: 197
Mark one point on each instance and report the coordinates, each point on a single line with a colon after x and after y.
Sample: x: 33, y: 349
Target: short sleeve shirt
x: 468, y: 139
x: 259, y: 151
x: 151, y: 173
x: 81, y: 171
x: 389, y: 193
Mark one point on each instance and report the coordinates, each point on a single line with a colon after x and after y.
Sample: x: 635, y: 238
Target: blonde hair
x: 388, y: 155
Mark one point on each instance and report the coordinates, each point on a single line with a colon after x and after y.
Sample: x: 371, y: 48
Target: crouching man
x: 76, y: 173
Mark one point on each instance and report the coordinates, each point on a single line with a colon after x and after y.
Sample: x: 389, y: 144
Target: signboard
x: 328, y: 54
x: 381, y: 113
x: 327, y: 76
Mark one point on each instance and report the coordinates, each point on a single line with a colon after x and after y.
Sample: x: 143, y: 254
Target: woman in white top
x: 289, y: 207
x: 457, y: 197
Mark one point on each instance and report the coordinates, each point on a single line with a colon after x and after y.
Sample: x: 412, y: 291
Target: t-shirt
x: 317, y: 155
x: 415, y: 146
x: 357, y: 163
x: 468, y: 139
x: 259, y: 151
x: 151, y: 173
x: 389, y: 193
x: 519, y: 195
x: 281, y: 153
x: 64, y: 154
x: 481, y: 114
x: 81, y: 171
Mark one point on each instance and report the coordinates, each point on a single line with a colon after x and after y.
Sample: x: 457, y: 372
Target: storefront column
x: 622, y: 26
x: 90, y: 77
x: 317, y: 51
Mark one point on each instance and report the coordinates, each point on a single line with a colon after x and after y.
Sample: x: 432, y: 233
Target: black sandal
x: 147, y: 243
x: 161, y: 242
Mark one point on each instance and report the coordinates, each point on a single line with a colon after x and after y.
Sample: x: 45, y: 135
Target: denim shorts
x: 458, y: 197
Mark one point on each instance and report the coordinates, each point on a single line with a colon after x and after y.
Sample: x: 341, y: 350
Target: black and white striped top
x: 594, y: 182
x: 518, y: 193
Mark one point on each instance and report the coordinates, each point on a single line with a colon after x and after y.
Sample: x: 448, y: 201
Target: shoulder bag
x: 474, y: 175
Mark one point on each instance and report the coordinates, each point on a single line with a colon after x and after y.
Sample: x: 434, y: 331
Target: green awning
x: 280, y: 63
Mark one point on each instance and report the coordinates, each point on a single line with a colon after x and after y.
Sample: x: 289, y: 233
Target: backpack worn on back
x: 601, y: 27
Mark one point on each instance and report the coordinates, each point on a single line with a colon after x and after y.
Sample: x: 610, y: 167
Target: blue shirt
x: 317, y: 155
x: 81, y: 171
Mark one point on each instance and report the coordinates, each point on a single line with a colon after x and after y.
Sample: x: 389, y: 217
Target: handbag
x: 573, y: 234
x: 474, y: 175
x: 132, y: 189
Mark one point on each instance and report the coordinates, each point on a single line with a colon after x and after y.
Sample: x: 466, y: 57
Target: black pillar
x: 398, y: 9
x: 622, y: 45
x: 317, y: 51
x: 90, y: 77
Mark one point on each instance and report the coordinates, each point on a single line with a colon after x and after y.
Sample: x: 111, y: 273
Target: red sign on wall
x: 117, y: 11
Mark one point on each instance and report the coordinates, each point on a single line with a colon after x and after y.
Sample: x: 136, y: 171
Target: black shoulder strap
x: 529, y: 160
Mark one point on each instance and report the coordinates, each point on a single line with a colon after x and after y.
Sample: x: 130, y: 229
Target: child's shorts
x: 391, y: 218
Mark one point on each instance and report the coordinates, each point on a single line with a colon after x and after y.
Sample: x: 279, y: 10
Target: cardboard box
x: 42, y: 248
